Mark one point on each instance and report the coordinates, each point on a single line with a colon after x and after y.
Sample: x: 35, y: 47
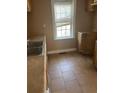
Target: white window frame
x: 73, y: 21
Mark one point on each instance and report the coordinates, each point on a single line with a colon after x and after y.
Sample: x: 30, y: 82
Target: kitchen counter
x: 36, y: 71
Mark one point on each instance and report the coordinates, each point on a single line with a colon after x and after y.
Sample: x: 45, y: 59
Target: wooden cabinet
x: 90, y: 5
x: 86, y: 42
x: 28, y: 5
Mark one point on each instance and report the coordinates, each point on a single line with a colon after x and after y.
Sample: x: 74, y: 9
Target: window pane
x: 62, y: 11
x: 58, y: 33
x: 63, y: 30
x: 58, y: 28
x: 68, y: 33
x: 68, y: 27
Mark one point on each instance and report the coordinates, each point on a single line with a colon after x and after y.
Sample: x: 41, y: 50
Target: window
x: 63, y: 18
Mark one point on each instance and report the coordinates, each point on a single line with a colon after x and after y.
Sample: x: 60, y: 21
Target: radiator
x: 86, y: 42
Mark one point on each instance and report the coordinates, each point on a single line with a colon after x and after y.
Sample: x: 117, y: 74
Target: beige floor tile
x: 56, y: 74
x: 69, y: 75
x: 73, y: 87
x: 89, y: 88
x: 57, y: 84
x: 67, y: 68
x: 53, y: 69
x: 72, y: 73
x: 61, y: 91
x: 87, y: 81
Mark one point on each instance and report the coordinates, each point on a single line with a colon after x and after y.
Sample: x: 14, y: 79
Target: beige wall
x: 41, y: 14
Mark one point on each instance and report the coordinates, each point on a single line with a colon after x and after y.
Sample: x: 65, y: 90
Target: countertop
x: 35, y: 72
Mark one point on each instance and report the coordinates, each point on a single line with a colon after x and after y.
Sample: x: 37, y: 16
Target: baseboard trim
x: 61, y: 51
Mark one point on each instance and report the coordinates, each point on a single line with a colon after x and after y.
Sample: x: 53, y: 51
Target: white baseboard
x: 61, y: 51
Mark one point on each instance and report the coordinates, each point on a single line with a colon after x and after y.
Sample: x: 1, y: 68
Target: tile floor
x: 72, y: 73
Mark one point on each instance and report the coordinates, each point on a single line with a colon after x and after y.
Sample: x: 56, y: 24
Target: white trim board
x: 61, y: 51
